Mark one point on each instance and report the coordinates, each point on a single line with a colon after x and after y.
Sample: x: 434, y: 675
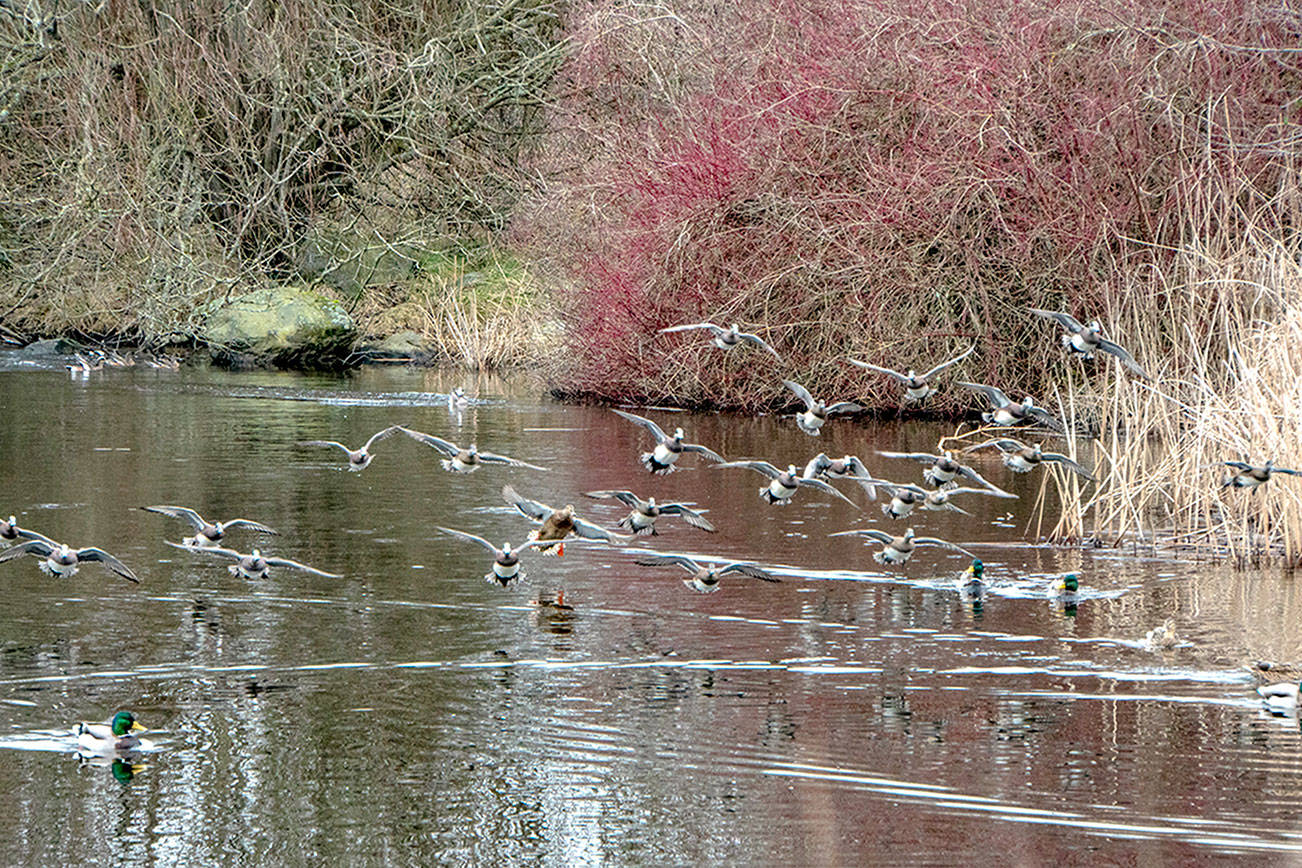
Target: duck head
x: 1071, y: 582
x: 977, y: 568
x: 125, y: 722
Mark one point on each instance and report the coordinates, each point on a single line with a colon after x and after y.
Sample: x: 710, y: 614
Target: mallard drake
x: 62, y: 560
x: 916, y: 386
x: 357, y: 458
x: 815, y: 414
x: 1008, y: 413
x: 642, y: 520
x: 506, y: 560
x: 1088, y: 339
x: 1021, y: 458
x: 557, y: 524
x: 898, y: 549
x: 1252, y: 475
x: 1161, y: 637
x: 785, y: 483
x: 944, y: 470
x: 207, y: 533
x: 465, y: 459
x: 971, y: 582
x: 253, y: 565
x: 847, y: 467
x: 1065, y: 589
x: 667, y: 449
x: 725, y: 338
x: 10, y: 531
x: 113, y: 736
x: 705, y: 578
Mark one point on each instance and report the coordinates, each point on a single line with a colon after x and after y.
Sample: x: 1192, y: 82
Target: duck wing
x: 1125, y: 357
x: 923, y: 457
x: 528, y: 508
x: 934, y: 541
x: 494, y: 458
x: 689, y: 515
x: 943, y: 365
x: 703, y: 450
x: 996, y: 396
x: 652, y: 560
x: 628, y: 498
x: 253, y: 525
x: 801, y: 392
x: 334, y: 443
x: 718, y: 331
x: 39, y: 547
x: 1066, y: 320
x: 470, y: 537
x: 381, y: 435
x: 804, y: 481
x: 748, y: 570
x: 207, y: 550
x: 111, y: 563
x: 195, y: 519
x: 903, y: 378
x: 588, y: 530
x: 447, y: 447
x: 759, y: 342
x: 1066, y: 462
x: 656, y: 431
x: 843, y: 407
x: 879, y: 535
x: 762, y: 466
x: 286, y: 562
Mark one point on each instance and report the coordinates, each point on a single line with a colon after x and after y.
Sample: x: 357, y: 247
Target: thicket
x: 896, y: 180
x: 153, y: 156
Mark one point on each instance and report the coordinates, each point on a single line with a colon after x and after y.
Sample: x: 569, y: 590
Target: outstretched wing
x: 39, y: 547
x: 624, y: 496
x: 843, y: 407
x: 286, y: 562
x: 762, y: 466
x: 879, y: 535
x: 759, y: 342
x: 689, y: 515
x: 703, y: 450
x: 801, y: 392
x: 669, y: 561
x: 1045, y: 418
x: 646, y: 423
x: 1066, y: 462
x: 1239, y: 465
x: 588, y: 530
x: 933, y: 541
x: 1005, y: 444
x: 470, y: 537
x: 334, y: 443
x: 943, y: 365
x: 447, y: 447
x: 1066, y: 320
x: 996, y: 396
x: 817, y: 465
x: 494, y: 458
x: 206, y: 550
x: 714, y: 329
x: 887, y: 371
x: 186, y: 513
x: 253, y: 525
x: 748, y: 570
x: 823, y: 486
x: 377, y: 437
x: 1125, y: 357
x: 528, y: 508
x: 111, y: 563
x: 1286, y: 470
x: 924, y: 457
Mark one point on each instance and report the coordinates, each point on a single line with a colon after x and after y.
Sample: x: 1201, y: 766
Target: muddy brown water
x: 410, y: 712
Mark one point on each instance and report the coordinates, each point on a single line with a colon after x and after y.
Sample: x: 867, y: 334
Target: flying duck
x: 357, y: 458
x: 1021, y: 458
x: 506, y: 560
x: 642, y: 520
x: 898, y: 549
x: 725, y: 338
x: 811, y: 419
x: 705, y: 578
x: 1088, y: 339
x: 557, y: 524
x: 253, y: 565
x: 62, y: 561
x: 465, y: 459
x: 667, y: 449
x: 785, y: 483
x: 916, y: 386
x: 206, y: 533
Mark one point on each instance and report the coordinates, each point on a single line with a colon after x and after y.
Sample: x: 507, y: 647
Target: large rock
x: 283, y: 325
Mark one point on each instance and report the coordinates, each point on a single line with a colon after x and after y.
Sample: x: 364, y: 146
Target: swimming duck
x: 557, y: 524
x: 118, y: 734
x: 1161, y: 637
x: 506, y: 560
x: 899, y: 549
x: 10, y: 531
x: 1088, y: 339
x: 1021, y: 458
x: 642, y: 520
x: 971, y: 582
x: 944, y: 469
x: 705, y: 578
x: 207, y: 533
x: 916, y: 386
x: 357, y: 458
x: 457, y: 399
x: 1252, y: 475
x: 725, y: 338
x: 785, y: 483
x: 847, y: 467
x: 253, y: 565
x: 815, y: 414
x: 62, y: 561
x: 1008, y: 413
x: 465, y: 460
x: 667, y: 449
x: 1065, y: 589
x: 1280, y: 697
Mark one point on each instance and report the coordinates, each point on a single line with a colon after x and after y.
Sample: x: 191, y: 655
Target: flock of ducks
x: 942, y: 471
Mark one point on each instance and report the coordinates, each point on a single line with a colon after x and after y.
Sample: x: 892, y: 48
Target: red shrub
x: 891, y: 180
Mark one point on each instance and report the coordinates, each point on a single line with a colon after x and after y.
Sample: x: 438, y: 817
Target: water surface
x: 409, y: 711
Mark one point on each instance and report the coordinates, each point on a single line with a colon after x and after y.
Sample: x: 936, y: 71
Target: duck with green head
x: 971, y: 582
x: 118, y: 734
x: 1065, y: 588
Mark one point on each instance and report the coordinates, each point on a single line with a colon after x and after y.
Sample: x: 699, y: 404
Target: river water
x: 410, y: 712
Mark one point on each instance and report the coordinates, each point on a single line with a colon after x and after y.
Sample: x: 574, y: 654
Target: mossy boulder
x: 286, y: 326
